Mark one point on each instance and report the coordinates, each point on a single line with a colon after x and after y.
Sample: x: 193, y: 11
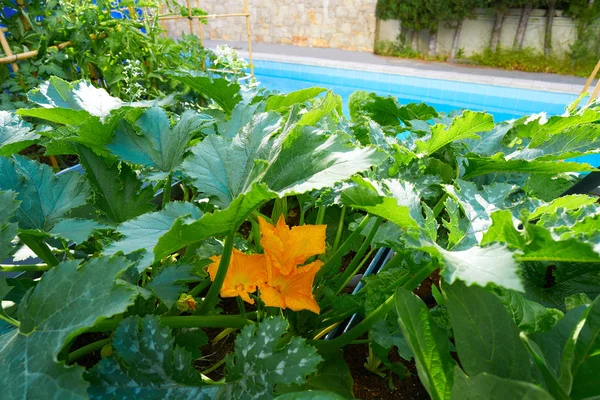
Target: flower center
x: 239, y: 287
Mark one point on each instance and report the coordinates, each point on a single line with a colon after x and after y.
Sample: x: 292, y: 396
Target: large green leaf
x: 540, y: 130
x: 118, y: 193
x: 45, y: 198
x: 578, y: 141
x: 219, y: 223
x: 149, y: 366
x: 223, y: 92
x: 282, y: 102
x: 258, y: 364
x: 486, y: 338
x: 143, y: 232
x: 8, y: 230
x: 311, y: 395
x: 476, y: 166
x: 15, y: 134
x: 429, y: 344
x: 467, y: 125
x: 291, y: 163
x: 586, y: 357
x: 394, y: 200
x: 490, y: 387
x: 66, y: 301
x: 75, y: 96
x: 225, y: 168
x: 156, y: 145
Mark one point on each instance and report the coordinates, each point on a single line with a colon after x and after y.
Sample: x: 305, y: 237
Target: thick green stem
x: 213, y: 293
x: 280, y: 207
x: 440, y: 205
x: 320, y: 215
x: 241, y: 306
x: 344, y: 248
x: 77, y: 354
x: 256, y: 235
x: 340, y: 229
x: 167, y: 190
x: 186, y: 321
x: 24, y: 267
x: 350, y: 270
x: 40, y: 248
x: 349, y: 277
x: 8, y: 319
x: 214, y: 367
x: 376, y: 315
x: 196, y: 290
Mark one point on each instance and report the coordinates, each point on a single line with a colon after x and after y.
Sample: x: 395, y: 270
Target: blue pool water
x: 502, y: 102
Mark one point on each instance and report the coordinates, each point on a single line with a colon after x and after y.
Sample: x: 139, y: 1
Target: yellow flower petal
x: 293, y: 291
x: 287, y: 248
x: 245, y: 273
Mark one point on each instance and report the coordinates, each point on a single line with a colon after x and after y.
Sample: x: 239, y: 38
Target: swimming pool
x: 444, y: 95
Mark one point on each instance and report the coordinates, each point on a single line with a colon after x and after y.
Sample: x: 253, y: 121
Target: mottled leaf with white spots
x: 257, y: 365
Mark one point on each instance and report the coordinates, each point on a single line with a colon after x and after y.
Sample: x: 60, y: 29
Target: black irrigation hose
x: 585, y: 186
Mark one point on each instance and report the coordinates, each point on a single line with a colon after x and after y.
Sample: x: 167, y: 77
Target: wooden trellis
x: 12, y: 59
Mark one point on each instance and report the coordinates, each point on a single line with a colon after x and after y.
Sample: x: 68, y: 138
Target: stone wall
x: 477, y: 32
x: 342, y: 24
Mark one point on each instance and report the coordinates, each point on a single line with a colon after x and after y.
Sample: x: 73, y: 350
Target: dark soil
x: 37, y: 152
x: 369, y: 386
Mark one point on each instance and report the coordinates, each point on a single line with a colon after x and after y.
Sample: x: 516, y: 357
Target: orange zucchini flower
x: 287, y: 248
x: 294, y: 290
x: 244, y: 274
x: 278, y: 273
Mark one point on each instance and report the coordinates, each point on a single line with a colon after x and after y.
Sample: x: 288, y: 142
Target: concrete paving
x: 364, y: 61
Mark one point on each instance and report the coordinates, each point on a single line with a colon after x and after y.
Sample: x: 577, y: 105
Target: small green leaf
x: 330, y: 103
x: 586, y: 357
x: 282, y: 102
x: 486, y: 339
x: 171, y: 282
x: 8, y: 230
x: 223, y: 92
x: 15, y: 134
x: 529, y: 316
x: 311, y: 395
x: 464, y: 126
x: 429, y: 344
x: 148, y: 366
x: 77, y: 230
x: 565, y: 203
x: 257, y: 364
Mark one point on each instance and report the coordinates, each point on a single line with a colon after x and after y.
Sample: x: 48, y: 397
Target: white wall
x: 477, y: 32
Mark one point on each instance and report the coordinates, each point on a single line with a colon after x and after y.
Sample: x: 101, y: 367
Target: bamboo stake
x: 591, y: 78
x: 249, y: 37
x: 7, y: 50
x: 190, y: 17
x: 210, y: 16
x: 30, y: 54
x: 201, y: 34
x: 594, y: 93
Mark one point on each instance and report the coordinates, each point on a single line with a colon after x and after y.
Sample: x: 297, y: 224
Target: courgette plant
x: 251, y: 216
